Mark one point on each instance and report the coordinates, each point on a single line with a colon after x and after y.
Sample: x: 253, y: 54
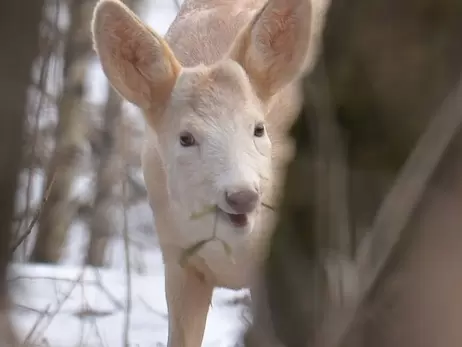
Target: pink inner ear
x: 127, y: 40
x: 275, y: 33
x: 129, y: 50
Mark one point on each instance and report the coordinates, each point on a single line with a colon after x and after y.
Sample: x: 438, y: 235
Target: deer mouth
x: 237, y: 220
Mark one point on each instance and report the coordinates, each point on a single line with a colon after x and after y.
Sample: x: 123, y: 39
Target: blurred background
x: 83, y: 142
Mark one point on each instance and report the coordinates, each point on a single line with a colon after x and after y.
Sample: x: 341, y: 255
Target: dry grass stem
x: 196, y: 247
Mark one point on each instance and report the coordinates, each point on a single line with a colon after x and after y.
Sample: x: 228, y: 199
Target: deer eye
x: 187, y: 140
x: 259, y: 130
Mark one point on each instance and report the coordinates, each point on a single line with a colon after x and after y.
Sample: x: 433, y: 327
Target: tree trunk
x: 388, y: 65
x: 59, y: 211
x: 109, y: 172
x: 19, y: 36
x: 401, y: 75
x: 107, y: 180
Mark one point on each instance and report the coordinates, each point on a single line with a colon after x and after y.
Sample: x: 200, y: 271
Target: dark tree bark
x: 386, y: 67
x: 19, y: 37
x: 401, y: 74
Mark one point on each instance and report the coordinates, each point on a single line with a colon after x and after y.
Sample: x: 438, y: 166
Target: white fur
x: 228, y: 156
x: 215, y: 75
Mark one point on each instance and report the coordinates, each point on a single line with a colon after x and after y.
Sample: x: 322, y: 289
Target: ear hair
x: 138, y: 63
x: 272, y: 48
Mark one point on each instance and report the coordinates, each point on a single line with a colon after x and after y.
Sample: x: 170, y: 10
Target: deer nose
x: 242, y: 201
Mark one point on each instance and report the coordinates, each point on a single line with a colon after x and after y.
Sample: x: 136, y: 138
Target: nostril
x: 243, y: 201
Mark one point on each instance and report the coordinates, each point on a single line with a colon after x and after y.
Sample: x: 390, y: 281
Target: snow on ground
x: 70, y: 306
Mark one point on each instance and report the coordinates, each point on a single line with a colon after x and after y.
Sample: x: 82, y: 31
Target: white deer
x: 218, y: 93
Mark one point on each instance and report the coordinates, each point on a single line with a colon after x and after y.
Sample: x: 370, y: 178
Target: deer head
x: 209, y: 121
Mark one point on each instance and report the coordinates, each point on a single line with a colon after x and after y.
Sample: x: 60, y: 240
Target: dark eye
x: 259, y: 130
x: 187, y: 140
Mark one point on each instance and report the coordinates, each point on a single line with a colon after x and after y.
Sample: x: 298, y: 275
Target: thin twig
x: 55, y: 312
x: 41, y: 317
x: 98, y: 334
x: 37, y: 215
x: 28, y: 308
x: 268, y: 206
x: 102, y: 287
x: 197, y: 246
x: 128, y: 302
x: 177, y: 4
x: 152, y: 309
x: 32, y: 278
x: 41, y: 85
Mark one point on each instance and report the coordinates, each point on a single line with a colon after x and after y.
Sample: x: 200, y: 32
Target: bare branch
x: 128, y: 302
x: 36, y: 217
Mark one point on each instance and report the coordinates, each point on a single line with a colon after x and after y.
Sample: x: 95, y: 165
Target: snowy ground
x: 71, y: 306
x: 62, y: 306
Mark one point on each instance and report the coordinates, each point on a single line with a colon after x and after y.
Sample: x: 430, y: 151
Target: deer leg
x: 188, y: 299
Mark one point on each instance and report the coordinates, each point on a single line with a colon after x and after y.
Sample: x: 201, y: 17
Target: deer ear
x: 138, y: 63
x: 273, y: 47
